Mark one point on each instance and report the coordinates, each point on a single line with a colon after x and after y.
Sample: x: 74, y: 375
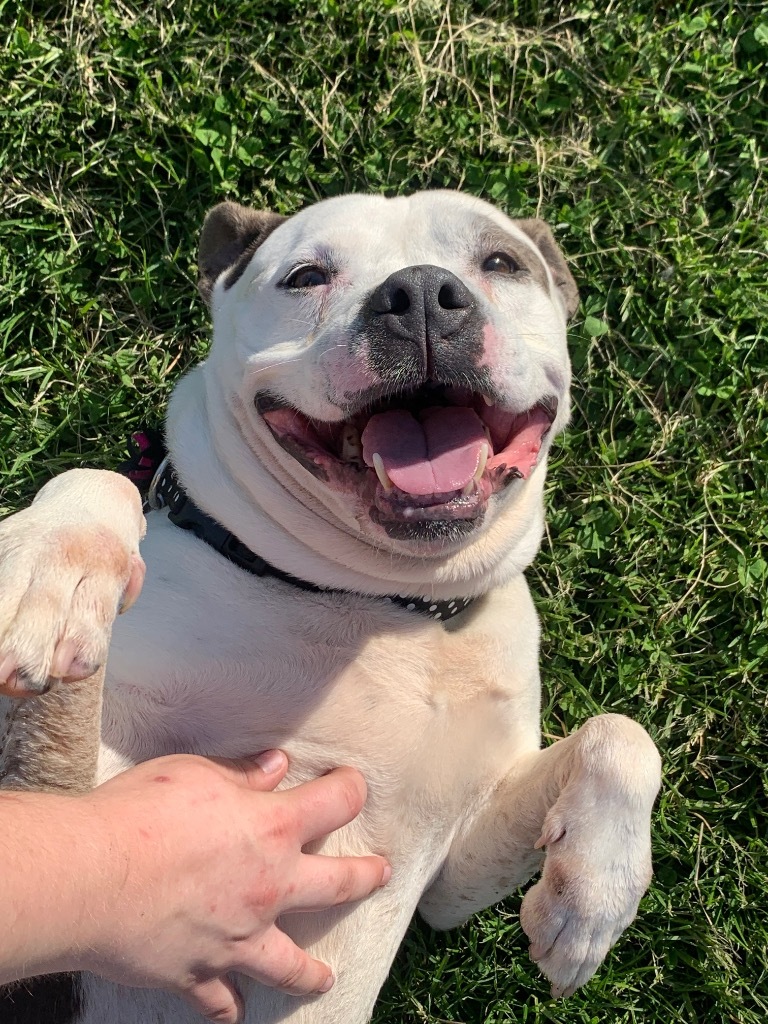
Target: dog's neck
x: 270, y: 512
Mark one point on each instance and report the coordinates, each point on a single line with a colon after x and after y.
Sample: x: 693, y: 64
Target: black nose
x: 422, y: 304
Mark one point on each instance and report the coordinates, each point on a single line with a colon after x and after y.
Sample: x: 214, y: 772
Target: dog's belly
x: 238, y: 665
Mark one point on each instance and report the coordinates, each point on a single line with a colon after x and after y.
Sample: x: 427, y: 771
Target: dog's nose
x: 422, y: 304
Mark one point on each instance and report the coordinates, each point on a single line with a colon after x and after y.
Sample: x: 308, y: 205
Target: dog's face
x: 404, y: 359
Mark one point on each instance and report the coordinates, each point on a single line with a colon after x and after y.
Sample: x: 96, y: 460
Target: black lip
x: 549, y: 404
x: 265, y: 401
x: 451, y: 530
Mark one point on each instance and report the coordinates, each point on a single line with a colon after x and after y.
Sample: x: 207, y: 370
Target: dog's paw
x: 598, y: 853
x: 574, y: 914
x: 68, y: 564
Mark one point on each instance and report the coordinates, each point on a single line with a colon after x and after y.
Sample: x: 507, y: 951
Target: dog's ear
x: 541, y: 236
x: 230, y: 236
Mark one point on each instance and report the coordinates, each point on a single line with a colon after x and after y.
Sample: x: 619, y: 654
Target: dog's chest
x: 229, y: 664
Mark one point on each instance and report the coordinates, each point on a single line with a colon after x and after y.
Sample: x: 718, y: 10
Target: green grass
x: 638, y: 130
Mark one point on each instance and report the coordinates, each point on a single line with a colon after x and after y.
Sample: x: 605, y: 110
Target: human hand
x: 206, y: 858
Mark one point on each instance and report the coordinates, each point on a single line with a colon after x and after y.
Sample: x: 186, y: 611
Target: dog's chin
x: 428, y: 520
x: 420, y: 466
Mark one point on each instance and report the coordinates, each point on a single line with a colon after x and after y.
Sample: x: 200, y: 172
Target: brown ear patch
x: 540, y: 234
x: 230, y: 236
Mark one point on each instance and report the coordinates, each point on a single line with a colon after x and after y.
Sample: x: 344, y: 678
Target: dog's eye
x: 306, y: 277
x: 500, y: 263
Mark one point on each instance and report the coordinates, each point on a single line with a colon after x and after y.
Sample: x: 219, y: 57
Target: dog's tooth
x: 470, y: 487
x: 488, y: 401
x: 481, y: 465
x: 381, y: 473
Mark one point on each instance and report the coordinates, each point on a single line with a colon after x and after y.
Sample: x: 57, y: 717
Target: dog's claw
x: 7, y: 669
x: 63, y: 656
x: 135, y: 583
x: 20, y: 684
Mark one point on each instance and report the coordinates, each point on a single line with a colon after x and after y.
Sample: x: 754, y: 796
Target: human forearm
x: 59, y: 871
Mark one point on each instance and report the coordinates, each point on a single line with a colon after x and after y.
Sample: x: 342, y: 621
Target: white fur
x: 442, y: 721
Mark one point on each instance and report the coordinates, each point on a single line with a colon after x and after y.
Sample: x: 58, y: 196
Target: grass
x: 638, y: 130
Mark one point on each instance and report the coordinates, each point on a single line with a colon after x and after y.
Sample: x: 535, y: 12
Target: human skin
x: 173, y: 873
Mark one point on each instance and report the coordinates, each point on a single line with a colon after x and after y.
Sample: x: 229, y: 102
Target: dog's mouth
x: 432, y: 454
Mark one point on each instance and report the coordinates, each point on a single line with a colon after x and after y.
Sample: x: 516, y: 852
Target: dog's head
x: 403, y: 359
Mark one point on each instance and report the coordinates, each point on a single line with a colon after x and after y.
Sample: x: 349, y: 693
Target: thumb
x: 262, y: 772
x: 217, y: 1000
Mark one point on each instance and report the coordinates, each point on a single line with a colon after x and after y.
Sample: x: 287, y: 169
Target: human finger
x: 323, y: 882
x: 326, y: 804
x: 262, y: 772
x: 282, y: 964
x: 216, y: 999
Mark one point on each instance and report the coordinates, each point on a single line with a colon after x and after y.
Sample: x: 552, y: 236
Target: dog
x: 369, y: 436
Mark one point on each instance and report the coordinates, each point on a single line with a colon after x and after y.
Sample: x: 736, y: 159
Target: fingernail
x: 271, y: 761
x: 387, y: 874
x: 327, y: 984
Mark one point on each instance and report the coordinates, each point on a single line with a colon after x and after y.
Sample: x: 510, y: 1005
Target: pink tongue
x: 440, y: 453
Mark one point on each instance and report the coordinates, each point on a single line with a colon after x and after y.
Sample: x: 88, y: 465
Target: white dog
x: 374, y: 419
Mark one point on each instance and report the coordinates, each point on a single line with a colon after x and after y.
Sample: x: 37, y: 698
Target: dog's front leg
x: 52, y: 741
x: 587, y: 801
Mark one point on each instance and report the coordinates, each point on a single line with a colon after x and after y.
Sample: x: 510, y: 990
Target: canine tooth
x: 468, y: 489
x: 488, y: 401
x: 381, y: 473
x: 481, y: 465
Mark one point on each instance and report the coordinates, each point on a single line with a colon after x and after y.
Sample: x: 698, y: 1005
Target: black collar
x: 165, y: 491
